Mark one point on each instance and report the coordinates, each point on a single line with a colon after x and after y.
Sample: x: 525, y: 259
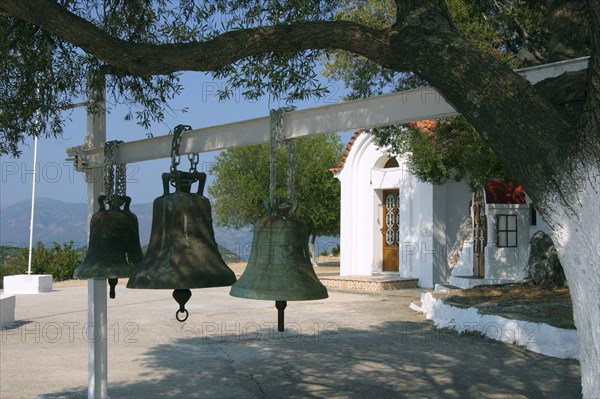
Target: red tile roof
x: 340, y: 166
x: 425, y: 124
x: 498, y: 191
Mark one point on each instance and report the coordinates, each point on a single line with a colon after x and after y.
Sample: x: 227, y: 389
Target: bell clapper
x: 182, y: 296
x: 112, y: 282
x: 280, y: 305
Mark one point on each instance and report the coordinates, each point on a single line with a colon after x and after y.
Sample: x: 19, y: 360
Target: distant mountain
x: 55, y: 221
x: 58, y: 221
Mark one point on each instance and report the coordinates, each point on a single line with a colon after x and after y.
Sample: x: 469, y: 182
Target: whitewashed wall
x: 425, y: 212
x: 357, y: 217
x: 507, y: 263
x: 502, y: 263
x: 451, y: 205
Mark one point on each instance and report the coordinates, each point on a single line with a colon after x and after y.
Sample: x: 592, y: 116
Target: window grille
x: 506, y: 230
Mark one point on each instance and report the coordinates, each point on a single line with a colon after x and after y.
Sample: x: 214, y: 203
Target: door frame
x: 390, y: 254
x: 480, y: 234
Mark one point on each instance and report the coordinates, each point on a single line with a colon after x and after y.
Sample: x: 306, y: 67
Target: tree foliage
x: 449, y: 150
x: 58, y: 260
x: 241, y: 184
x: 42, y: 74
x: 511, y: 31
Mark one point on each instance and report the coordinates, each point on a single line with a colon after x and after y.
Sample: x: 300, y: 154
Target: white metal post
x: 31, y: 221
x: 97, y: 344
x: 97, y: 293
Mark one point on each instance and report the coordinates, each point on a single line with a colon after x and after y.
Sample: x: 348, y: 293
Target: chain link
x: 175, y: 146
x: 291, y: 170
x: 109, y: 172
x: 194, y: 161
x: 175, y: 158
x: 121, y: 178
x: 114, y: 186
x: 277, y: 137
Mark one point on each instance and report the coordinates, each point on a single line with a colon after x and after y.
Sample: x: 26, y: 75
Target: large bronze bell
x: 114, y: 244
x: 279, y: 267
x: 182, y: 252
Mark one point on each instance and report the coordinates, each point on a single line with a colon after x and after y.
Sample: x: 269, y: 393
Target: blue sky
x: 57, y: 179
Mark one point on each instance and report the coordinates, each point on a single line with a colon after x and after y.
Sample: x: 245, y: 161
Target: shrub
x: 335, y: 251
x: 58, y: 260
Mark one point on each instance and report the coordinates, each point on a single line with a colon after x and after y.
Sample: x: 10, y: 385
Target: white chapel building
x: 392, y: 223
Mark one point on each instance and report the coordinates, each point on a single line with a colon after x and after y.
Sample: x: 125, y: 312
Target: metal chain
x: 175, y: 146
x: 291, y: 169
x: 121, y: 179
x: 194, y: 161
x: 109, y: 172
x: 175, y: 158
x: 276, y: 136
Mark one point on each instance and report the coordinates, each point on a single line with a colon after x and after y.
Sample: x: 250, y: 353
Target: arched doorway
x: 391, y: 230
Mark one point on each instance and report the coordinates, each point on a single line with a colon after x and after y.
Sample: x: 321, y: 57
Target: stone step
x: 445, y: 287
x: 466, y: 282
x: 369, y: 283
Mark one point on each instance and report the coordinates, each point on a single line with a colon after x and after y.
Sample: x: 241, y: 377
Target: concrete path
x: 352, y: 345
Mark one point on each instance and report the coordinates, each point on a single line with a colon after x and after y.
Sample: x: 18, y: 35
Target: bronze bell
x: 114, y: 244
x: 182, y: 252
x: 279, y: 267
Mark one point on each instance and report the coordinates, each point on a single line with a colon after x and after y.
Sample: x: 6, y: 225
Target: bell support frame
x: 401, y: 107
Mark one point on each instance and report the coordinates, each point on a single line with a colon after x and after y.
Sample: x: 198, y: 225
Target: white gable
x: 429, y: 215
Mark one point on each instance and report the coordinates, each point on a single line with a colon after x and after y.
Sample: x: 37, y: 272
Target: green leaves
x: 242, y: 184
x: 451, y: 150
x: 39, y: 75
x: 290, y: 77
x: 58, y: 260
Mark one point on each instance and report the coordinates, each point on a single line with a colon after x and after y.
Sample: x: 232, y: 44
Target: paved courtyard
x: 352, y: 345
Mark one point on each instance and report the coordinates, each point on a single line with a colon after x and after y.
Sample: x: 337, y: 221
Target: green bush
x: 335, y: 251
x: 58, y: 260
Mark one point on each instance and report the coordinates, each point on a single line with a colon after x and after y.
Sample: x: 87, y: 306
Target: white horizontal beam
x: 538, y: 73
x: 389, y: 109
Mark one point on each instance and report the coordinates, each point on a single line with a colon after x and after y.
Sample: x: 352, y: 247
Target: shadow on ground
x: 396, y: 359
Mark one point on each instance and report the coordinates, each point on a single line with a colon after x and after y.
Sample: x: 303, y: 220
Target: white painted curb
x: 536, y: 337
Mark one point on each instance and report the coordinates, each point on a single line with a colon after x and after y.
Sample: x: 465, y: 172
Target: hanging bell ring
x: 114, y: 244
x: 279, y: 267
x: 182, y: 253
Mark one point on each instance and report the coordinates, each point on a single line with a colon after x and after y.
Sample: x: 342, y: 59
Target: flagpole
x: 35, y: 146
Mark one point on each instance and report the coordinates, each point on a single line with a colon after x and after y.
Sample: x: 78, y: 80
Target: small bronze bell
x: 182, y: 252
x: 279, y: 267
x: 114, y: 244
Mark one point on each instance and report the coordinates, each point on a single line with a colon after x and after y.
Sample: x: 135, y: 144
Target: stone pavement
x: 352, y: 345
